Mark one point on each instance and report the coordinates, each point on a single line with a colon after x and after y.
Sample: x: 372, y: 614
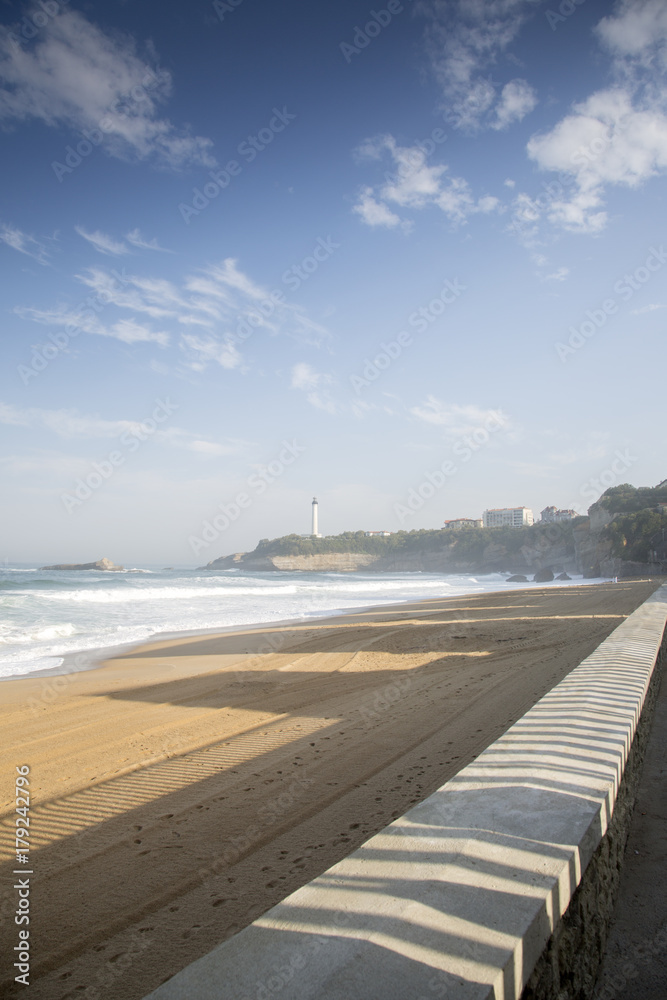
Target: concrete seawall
x: 497, y: 885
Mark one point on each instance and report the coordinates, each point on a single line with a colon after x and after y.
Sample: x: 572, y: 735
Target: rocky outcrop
x: 543, y: 576
x: 517, y: 578
x: 590, y: 545
x: 102, y: 564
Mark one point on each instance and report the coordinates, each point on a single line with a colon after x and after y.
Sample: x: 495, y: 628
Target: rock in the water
x: 543, y: 576
x: 103, y: 564
x: 517, y: 578
x: 563, y: 576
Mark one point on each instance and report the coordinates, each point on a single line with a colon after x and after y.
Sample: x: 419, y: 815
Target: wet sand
x: 185, y: 786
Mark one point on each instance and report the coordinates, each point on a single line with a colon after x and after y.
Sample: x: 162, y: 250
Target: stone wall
x: 569, y: 965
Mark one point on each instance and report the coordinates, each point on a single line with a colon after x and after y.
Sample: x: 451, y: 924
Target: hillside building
x: 507, y: 517
x: 551, y: 515
x: 463, y: 522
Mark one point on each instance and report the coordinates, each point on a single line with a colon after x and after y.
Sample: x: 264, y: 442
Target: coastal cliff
x: 624, y: 535
x: 495, y: 557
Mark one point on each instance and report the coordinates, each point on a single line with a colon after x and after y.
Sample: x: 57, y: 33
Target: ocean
x: 47, y: 615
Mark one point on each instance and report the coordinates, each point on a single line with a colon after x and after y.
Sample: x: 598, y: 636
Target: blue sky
x: 405, y: 257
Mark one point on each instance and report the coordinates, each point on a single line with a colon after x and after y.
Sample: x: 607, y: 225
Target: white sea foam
x: 49, y: 614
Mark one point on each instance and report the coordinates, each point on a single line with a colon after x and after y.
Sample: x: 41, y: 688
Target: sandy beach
x: 184, y: 787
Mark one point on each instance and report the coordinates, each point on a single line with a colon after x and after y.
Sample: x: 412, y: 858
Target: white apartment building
x: 507, y: 517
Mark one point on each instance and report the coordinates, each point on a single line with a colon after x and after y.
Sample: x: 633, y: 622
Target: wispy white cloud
x: 72, y: 425
x: 227, y: 273
x: 414, y: 185
x: 103, y: 243
x: 210, y: 314
x: 131, y: 332
x: 315, y: 385
x: 454, y: 419
x: 652, y: 307
x: 140, y: 296
x: 85, y: 320
x: 464, y: 40
x: 65, y: 423
x: 136, y: 239
x: 517, y: 99
x: 18, y: 240
x: 203, y: 350
x: 375, y: 213
x: 560, y: 274
x: 78, y: 77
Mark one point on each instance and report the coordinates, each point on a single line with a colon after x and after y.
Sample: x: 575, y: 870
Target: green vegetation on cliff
x: 638, y: 532
x: 464, y: 546
x: 627, y: 499
x: 640, y: 537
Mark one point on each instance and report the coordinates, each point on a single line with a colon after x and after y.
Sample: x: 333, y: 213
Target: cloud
x: 414, y: 185
x: 203, y: 350
x: 141, y: 296
x: 560, y: 274
x: 83, y: 319
x: 456, y: 420
x: 136, y: 239
x: 637, y: 29
x: 28, y: 245
x: 227, y: 273
x: 618, y: 135
x: 103, y: 243
x: 77, y: 77
x: 463, y: 43
x: 131, y: 332
x: 221, y: 300
x: 517, y: 99
x: 373, y: 213
x: 65, y: 423
x: 652, y: 307
x: 313, y: 383
x: 72, y: 425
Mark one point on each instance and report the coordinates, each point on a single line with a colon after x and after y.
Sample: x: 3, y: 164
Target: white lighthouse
x: 316, y: 531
